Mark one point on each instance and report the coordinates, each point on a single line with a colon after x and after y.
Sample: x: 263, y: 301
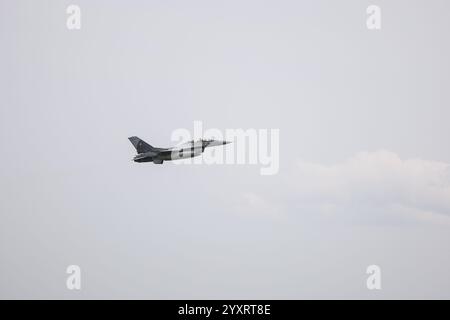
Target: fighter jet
x: 147, y: 153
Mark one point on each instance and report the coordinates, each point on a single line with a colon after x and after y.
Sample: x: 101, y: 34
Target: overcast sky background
x: 364, y: 158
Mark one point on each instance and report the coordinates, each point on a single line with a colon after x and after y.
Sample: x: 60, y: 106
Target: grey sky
x: 72, y: 195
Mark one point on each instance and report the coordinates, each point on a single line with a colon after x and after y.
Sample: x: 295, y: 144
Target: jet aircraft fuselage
x: 148, y: 153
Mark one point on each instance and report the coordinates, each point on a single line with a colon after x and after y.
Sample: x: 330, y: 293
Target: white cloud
x: 370, y: 187
x: 253, y: 204
x: 375, y: 183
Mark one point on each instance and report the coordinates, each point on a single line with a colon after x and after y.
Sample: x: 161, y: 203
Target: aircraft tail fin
x: 140, y: 145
